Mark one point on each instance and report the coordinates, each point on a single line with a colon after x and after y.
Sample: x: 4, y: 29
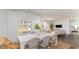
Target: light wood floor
x: 68, y: 41
x: 64, y: 45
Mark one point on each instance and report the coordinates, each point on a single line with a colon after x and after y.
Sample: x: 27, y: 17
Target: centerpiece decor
x: 37, y: 28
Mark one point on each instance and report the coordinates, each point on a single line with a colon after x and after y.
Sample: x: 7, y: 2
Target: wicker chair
x: 45, y: 42
x: 32, y: 44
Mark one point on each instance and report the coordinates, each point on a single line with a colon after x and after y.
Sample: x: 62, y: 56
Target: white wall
x: 3, y: 22
x: 12, y: 26
x: 75, y: 23
x: 64, y: 23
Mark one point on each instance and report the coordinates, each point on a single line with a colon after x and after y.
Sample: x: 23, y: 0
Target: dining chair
x: 45, y: 42
x: 32, y: 43
x: 52, y: 42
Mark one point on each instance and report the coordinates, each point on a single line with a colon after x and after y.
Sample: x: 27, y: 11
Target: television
x: 58, y: 26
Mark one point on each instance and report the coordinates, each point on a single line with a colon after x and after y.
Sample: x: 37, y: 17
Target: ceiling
x: 56, y: 13
x: 53, y: 13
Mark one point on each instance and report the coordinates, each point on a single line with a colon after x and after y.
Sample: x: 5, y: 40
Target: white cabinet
x: 3, y: 22
x: 14, y: 20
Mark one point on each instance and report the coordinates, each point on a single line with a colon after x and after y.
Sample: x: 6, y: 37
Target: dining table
x: 25, y: 38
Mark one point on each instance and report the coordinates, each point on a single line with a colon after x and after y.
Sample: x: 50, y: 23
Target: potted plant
x: 37, y: 27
